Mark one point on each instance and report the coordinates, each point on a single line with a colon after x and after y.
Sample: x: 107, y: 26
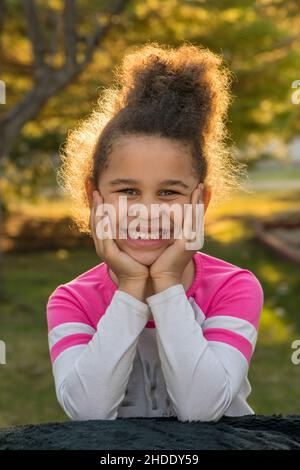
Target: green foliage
x: 257, y: 39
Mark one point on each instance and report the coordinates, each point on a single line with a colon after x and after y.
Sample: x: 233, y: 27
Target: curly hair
x: 179, y: 93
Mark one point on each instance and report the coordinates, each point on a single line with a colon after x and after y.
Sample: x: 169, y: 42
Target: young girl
x: 154, y: 329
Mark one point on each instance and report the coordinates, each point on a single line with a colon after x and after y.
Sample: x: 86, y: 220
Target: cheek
x: 176, y: 216
x: 113, y: 205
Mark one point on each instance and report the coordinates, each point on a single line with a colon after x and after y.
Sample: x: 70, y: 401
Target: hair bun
x: 188, y: 80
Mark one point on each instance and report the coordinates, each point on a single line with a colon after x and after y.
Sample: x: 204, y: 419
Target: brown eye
x: 169, y: 191
x: 126, y: 191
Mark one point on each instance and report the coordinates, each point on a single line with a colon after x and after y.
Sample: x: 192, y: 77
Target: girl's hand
x: 127, y: 270
x: 168, y: 268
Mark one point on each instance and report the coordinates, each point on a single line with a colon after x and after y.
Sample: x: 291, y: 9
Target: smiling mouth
x: 137, y: 235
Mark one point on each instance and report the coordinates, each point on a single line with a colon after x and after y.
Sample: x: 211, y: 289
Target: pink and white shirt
x: 109, y: 360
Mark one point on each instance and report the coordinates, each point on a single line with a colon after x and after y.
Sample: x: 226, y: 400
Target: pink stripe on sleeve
x: 231, y: 338
x: 67, y: 342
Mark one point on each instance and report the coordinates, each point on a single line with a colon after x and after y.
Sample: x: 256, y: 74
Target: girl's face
x: 148, y: 170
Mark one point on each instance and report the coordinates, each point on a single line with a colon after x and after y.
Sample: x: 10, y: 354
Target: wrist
x: 136, y: 288
x: 163, y: 283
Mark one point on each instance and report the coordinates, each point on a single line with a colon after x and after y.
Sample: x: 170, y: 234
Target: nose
x: 150, y: 213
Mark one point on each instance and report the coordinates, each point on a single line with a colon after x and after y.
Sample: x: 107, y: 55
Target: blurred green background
x: 55, y: 58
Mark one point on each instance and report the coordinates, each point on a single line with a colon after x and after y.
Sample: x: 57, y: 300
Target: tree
x: 48, y: 79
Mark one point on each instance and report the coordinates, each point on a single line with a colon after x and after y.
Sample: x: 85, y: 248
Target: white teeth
x: 145, y: 235
x: 148, y: 236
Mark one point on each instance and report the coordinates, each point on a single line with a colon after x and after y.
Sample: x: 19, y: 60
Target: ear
x: 207, y: 190
x: 89, y: 188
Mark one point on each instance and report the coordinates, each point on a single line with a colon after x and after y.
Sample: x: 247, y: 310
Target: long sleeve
x: 204, y: 366
x: 91, y: 367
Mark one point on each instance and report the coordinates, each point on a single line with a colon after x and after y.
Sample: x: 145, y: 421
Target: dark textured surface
x: 247, y: 432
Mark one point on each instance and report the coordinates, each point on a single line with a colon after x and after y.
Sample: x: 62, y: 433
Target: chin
x: 145, y: 257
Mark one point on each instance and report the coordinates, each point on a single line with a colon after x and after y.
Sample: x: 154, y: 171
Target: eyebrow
x: 175, y: 183
x: 123, y: 181
x: 168, y: 182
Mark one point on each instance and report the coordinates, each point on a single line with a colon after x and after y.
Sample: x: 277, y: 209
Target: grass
x: 27, y: 386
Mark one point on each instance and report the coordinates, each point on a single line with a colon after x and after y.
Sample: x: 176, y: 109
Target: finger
x: 189, y: 216
x: 92, y: 228
x: 92, y: 219
x: 98, y: 232
x: 109, y: 245
x: 198, y: 219
x: 105, y: 246
x: 99, y: 215
x: 194, y: 202
x: 197, y: 209
x: 192, y: 215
